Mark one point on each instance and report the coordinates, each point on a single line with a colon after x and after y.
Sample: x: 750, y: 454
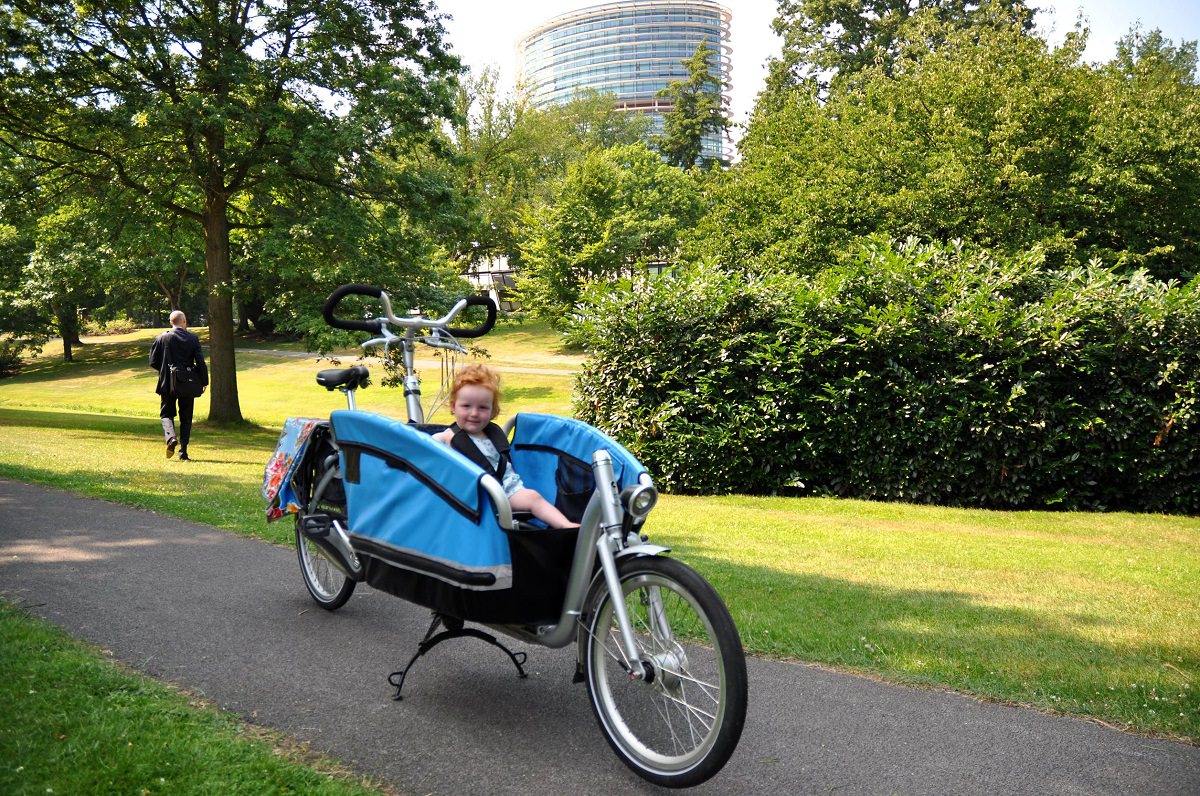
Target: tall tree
x: 511, y: 154
x: 823, y: 39
x: 697, y: 109
x: 994, y: 138
x: 616, y: 213
x: 1142, y: 163
x: 197, y: 104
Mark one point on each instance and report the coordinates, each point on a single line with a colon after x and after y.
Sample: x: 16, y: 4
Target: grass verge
x: 75, y: 723
x: 1085, y: 614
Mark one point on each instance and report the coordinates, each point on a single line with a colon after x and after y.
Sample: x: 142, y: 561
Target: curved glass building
x: 629, y: 49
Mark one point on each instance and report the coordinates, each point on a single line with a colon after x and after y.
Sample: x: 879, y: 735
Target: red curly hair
x: 478, y: 376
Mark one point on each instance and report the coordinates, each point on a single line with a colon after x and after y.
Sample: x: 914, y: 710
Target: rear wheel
x: 679, y: 725
x: 329, y: 587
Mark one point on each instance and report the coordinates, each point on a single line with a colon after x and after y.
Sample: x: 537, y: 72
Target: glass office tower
x: 628, y: 49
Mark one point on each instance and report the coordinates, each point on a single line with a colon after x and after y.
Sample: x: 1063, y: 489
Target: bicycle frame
x: 379, y: 501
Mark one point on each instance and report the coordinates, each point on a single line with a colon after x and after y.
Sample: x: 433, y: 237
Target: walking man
x: 177, y: 348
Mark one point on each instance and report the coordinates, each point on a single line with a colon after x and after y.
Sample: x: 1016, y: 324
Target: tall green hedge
x: 919, y: 373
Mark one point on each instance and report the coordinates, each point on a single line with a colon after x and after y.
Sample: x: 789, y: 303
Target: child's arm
x: 444, y: 437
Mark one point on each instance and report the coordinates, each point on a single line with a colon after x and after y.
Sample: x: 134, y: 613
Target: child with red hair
x: 475, y: 403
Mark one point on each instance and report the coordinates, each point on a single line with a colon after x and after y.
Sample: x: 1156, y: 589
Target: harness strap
x: 462, y: 442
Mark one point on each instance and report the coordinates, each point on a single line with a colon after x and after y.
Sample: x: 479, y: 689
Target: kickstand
x: 454, y: 629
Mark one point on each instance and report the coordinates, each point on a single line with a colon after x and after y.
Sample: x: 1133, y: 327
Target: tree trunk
x: 67, y: 330
x: 222, y: 384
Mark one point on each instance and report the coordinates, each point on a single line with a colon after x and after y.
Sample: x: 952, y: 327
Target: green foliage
x: 1141, y: 164
x: 12, y: 355
x: 927, y: 374
x: 696, y: 110
x: 618, y: 212
x: 993, y: 138
x: 824, y: 38
x: 100, y: 328
x: 222, y: 112
x: 509, y: 155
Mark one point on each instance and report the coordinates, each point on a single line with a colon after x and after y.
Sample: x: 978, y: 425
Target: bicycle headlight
x: 639, y: 499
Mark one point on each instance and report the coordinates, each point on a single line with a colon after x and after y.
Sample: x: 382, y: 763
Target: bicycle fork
x: 609, y: 542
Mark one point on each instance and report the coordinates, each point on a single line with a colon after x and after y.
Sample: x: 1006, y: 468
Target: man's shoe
x: 183, y: 457
x: 171, y: 443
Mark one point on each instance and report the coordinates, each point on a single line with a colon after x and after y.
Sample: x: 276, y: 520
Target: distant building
x: 629, y: 49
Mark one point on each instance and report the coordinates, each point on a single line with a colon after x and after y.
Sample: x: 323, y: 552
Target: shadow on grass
x: 99, y: 357
x: 91, y: 359
x: 247, y: 434
x: 953, y: 638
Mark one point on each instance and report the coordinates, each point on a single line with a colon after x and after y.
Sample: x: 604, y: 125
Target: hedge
x: 921, y: 373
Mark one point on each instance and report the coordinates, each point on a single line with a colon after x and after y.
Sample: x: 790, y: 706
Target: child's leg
x: 531, y: 500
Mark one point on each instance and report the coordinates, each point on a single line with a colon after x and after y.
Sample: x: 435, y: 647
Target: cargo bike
x: 379, y: 501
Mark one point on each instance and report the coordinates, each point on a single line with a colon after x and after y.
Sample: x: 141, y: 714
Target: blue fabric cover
x: 428, y: 514
x: 534, y: 432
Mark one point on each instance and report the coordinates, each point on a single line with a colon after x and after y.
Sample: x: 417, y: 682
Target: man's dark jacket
x: 180, y: 348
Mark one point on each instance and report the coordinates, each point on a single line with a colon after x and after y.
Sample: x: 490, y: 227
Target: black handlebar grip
x: 335, y: 298
x: 486, y: 326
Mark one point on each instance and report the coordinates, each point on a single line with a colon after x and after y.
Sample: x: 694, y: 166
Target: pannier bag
x: 279, y: 477
x: 185, y: 382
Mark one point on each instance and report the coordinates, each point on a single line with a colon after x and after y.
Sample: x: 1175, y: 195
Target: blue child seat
x: 427, y: 531
x: 553, y: 454
x: 418, y: 504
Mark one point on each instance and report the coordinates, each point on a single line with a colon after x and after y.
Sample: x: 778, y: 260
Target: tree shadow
x: 95, y: 423
x: 954, y: 638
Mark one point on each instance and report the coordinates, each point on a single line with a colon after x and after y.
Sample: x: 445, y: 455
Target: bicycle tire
x: 679, y: 726
x: 328, y: 586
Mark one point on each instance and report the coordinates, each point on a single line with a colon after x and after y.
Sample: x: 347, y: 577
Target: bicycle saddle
x: 350, y: 378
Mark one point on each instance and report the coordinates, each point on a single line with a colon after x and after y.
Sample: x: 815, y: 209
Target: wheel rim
x: 324, y: 580
x: 670, y: 721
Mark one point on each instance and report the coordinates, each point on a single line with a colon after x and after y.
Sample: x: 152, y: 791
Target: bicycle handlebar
x: 375, y: 325
x: 356, y: 289
x: 483, y: 328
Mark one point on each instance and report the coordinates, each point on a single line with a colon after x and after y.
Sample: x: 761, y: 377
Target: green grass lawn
x: 74, y: 723
x: 1085, y: 614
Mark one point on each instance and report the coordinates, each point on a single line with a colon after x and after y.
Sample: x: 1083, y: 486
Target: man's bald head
x: 179, y: 319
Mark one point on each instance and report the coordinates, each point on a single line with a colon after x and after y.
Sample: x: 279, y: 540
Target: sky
x: 485, y: 32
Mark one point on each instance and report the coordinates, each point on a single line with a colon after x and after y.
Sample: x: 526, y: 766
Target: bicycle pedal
x: 316, y: 526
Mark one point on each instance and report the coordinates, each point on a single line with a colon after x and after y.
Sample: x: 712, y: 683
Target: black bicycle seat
x: 350, y: 378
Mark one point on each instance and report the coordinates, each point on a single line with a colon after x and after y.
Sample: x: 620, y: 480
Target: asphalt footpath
x: 229, y: 619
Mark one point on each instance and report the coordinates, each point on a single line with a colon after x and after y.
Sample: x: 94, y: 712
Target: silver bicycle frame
x: 600, y: 539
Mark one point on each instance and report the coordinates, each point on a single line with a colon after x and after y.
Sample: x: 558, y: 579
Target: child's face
x: 472, y: 408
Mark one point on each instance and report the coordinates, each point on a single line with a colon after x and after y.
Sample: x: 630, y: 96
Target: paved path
x: 229, y: 618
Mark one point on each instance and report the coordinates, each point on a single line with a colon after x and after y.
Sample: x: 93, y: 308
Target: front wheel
x: 679, y: 725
